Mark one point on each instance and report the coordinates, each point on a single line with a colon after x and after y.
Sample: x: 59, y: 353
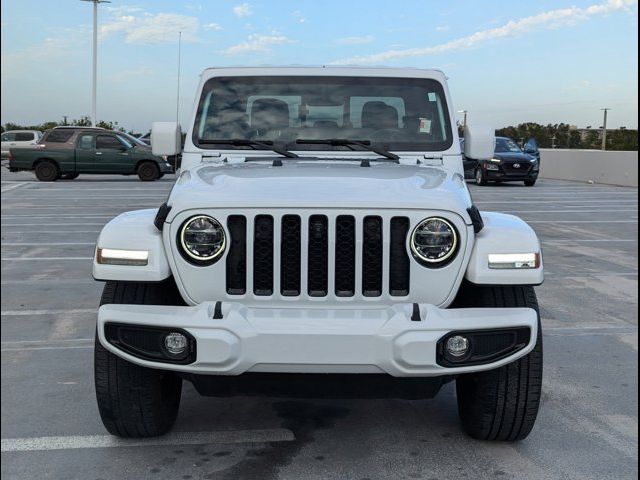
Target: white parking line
x: 50, y: 232
x: 571, y: 200
x: 172, y: 439
x: 570, y: 211
x: 109, y: 206
x: 582, y: 221
x: 47, y: 244
x: 12, y: 187
x: 39, y: 259
x: 28, y: 215
x: 593, y: 240
x: 23, y: 349
x: 51, y: 224
x: 28, y: 313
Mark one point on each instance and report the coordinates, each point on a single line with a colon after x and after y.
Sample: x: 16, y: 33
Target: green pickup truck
x: 67, y: 152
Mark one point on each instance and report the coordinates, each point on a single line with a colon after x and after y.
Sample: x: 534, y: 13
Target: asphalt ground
x: 587, y: 427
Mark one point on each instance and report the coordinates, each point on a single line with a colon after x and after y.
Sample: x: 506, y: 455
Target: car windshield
x: 504, y: 145
x: 134, y: 140
x: 402, y: 114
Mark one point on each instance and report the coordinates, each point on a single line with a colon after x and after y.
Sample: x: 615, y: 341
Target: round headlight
x: 202, y: 239
x: 434, y: 241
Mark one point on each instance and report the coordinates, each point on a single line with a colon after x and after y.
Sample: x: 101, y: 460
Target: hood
x: 319, y: 184
x: 513, y: 156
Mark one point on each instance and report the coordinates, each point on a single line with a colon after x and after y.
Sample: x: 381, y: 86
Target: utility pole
x: 178, y: 91
x: 94, y: 80
x: 464, y: 118
x: 604, y: 128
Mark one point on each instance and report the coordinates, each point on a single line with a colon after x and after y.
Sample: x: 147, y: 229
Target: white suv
x: 18, y: 139
x: 321, y: 230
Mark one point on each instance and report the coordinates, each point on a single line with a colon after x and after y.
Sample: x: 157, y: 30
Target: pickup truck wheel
x: 148, y: 171
x: 47, y: 171
x: 135, y: 401
x: 479, y: 176
x: 502, y: 404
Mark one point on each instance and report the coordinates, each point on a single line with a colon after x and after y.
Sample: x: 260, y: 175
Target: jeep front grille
x: 318, y: 255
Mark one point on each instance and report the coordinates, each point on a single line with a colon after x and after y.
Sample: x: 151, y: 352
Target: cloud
x: 547, y: 20
x: 257, y: 44
x: 242, y: 10
x: 52, y: 52
x: 298, y: 16
x: 355, y: 40
x: 442, y: 28
x: 150, y: 28
x: 213, y: 26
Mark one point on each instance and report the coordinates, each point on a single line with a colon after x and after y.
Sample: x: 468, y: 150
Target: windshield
x: 504, y: 145
x: 403, y: 114
x: 134, y: 140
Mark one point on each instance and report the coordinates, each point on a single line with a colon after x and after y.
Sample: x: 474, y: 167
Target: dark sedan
x: 509, y: 164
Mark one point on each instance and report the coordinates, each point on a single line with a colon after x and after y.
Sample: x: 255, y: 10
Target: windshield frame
x: 433, y: 83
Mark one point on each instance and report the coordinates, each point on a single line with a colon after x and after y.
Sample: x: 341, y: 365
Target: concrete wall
x: 612, y: 168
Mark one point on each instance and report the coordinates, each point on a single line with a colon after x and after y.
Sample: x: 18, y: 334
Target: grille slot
x: 263, y: 255
x: 372, y: 256
x: 290, y: 256
x: 237, y: 256
x: 318, y: 256
x: 399, y: 264
x: 345, y: 269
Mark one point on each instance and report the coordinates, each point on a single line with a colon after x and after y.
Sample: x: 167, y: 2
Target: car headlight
x: 434, y: 241
x: 201, y: 239
x: 491, y: 166
x: 495, y: 160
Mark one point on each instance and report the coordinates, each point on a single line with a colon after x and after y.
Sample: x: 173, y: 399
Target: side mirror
x: 479, y: 142
x: 166, y: 138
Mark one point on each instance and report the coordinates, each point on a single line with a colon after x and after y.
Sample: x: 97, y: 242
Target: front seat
x: 378, y: 115
x: 269, y: 117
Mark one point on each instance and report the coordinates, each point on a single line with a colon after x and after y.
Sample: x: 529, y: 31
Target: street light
x: 604, y: 128
x: 95, y: 57
x: 464, y: 119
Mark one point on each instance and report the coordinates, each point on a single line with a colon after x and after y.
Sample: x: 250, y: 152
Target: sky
x: 507, y: 61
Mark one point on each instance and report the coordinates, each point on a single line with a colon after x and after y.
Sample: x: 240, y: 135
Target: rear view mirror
x: 479, y: 142
x: 166, y: 138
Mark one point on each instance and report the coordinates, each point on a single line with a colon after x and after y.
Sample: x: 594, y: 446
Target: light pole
x: 464, y: 118
x: 95, y: 58
x: 604, y: 128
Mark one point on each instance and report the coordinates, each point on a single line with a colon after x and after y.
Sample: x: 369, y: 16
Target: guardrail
x: 608, y: 167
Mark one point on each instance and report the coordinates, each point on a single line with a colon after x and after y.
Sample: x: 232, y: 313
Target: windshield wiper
x: 242, y: 142
x: 345, y: 142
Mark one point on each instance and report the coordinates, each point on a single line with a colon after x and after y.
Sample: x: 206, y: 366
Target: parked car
x: 319, y: 231
x: 508, y: 164
x: 67, y: 153
x: 18, y: 139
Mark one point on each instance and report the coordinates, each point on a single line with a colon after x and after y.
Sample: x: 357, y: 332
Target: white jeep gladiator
x: 319, y: 240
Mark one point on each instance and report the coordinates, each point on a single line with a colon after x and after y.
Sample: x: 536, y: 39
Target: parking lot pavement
x: 587, y: 427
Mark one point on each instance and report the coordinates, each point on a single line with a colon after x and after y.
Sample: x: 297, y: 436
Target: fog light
x: 457, y: 346
x: 175, y: 343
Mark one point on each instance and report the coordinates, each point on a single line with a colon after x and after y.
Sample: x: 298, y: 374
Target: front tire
x: 148, y: 171
x: 502, y: 404
x: 479, y: 176
x: 530, y: 183
x: 47, y: 171
x: 135, y: 401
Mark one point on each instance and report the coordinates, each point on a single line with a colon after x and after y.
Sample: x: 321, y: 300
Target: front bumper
x: 511, y: 176
x: 383, y: 340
